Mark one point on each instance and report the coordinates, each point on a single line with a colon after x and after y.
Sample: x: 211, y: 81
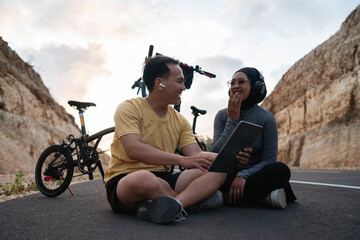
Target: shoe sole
x: 163, y: 209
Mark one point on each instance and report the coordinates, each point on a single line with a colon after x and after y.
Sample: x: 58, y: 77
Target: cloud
x: 222, y: 66
x: 93, y: 50
x: 80, y: 21
x: 67, y: 71
x: 285, y: 17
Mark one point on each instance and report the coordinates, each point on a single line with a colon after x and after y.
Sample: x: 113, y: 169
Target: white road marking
x: 326, y: 184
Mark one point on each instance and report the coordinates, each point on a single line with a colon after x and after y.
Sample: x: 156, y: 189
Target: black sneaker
x: 163, y: 209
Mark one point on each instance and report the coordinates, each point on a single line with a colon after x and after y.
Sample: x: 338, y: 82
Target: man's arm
x: 142, y: 152
x: 191, y: 149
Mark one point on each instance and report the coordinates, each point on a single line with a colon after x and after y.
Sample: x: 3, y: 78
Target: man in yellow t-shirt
x: 147, y: 131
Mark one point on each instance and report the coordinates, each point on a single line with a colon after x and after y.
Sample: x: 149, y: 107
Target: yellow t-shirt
x: 136, y: 116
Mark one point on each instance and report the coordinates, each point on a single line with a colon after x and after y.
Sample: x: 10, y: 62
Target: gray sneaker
x: 181, y: 217
x: 276, y: 199
x: 215, y: 200
x: 163, y: 209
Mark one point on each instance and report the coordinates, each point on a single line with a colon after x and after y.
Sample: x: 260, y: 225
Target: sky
x: 94, y: 50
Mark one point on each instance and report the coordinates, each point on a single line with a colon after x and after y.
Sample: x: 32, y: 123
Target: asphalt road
x: 321, y: 212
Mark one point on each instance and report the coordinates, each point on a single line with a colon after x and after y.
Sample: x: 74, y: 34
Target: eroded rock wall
x: 30, y: 119
x: 317, y: 104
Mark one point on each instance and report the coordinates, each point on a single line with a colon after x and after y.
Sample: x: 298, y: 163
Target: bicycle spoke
x: 52, y: 178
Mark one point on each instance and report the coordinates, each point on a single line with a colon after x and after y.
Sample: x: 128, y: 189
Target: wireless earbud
x: 161, y: 84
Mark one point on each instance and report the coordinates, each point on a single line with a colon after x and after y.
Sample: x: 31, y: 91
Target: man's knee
x: 140, y: 182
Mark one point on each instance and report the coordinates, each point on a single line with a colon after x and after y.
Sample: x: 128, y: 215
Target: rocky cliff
x: 30, y: 119
x: 317, y: 104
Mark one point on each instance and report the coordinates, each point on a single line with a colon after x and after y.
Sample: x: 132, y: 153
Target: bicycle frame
x: 98, y: 136
x: 84, y: 152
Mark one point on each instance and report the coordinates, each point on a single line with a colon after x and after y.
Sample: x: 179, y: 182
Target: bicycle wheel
x: 53, y: 172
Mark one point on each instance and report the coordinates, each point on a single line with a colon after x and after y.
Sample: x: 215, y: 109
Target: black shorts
x: 117, y: 206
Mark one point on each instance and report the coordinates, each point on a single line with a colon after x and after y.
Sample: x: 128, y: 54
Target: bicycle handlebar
x: 198, y: 70
x: 136, y: 84
x: 187, y: 69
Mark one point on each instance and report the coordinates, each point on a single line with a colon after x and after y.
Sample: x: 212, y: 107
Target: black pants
x: 273, y: 176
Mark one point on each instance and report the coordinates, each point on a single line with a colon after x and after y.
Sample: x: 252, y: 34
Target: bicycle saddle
x: 196, y: 111
x: 81, y: 105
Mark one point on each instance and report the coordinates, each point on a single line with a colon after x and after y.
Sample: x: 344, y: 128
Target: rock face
x: 30, y: 119
x: 317, y: 104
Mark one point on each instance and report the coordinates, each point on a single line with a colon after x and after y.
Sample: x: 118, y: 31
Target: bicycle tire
x: 51, y: 179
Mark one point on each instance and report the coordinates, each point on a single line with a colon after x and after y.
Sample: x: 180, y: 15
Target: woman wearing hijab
x: 263, y: 179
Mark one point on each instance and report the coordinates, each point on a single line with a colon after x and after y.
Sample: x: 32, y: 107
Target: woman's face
x: 240, y: 84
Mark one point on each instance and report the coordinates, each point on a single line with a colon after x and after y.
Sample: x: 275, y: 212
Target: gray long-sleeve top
x: 265, y: 147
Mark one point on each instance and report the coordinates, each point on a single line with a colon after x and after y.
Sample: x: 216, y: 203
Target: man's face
x: 174, y: 84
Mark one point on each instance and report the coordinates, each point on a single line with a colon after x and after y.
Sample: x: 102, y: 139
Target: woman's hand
x: 234, y: 105
x: 243, y: 157
x: 236, y: 191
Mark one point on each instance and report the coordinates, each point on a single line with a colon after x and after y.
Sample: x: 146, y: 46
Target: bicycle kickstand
x: 101, y: 170
x: 72, y: 194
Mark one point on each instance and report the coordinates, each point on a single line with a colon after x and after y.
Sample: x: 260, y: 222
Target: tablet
x: 243, y: 136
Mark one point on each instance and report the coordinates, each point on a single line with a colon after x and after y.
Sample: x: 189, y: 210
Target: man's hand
x: 201, y: 160
x: 243, y: 157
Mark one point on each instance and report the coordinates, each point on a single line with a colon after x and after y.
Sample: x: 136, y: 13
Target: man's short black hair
x: 156, y: 67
